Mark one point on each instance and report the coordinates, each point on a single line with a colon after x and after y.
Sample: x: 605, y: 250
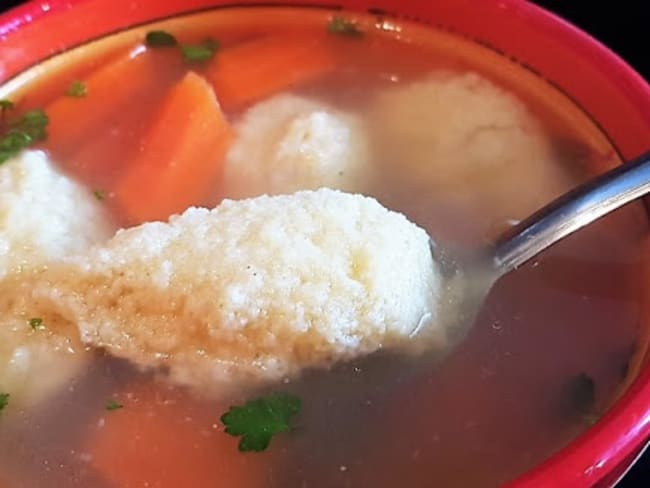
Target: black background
x: 624, y: 26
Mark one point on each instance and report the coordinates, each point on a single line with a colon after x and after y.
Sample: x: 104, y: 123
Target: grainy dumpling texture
x: 37, y: 358
x: 461, y: 139
x: 44, y: 216
x: 289, y: 143
x: 254, y: 289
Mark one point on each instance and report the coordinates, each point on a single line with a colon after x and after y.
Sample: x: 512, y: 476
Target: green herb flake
x: 112, y: 405
x: 197, y: 53
x: 32, y: 123
x: 22, y: 132
x: 259, y: 420
x: 160, y: 38
x: 99, y: 195
x: 36, y: 323
x: 340, y: 26
x: 77, y: 89
x: 4, y: 400
x: 6, y: 105
x: 12, y: 143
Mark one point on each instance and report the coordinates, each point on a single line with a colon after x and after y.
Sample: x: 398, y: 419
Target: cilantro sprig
x: 257, y: 421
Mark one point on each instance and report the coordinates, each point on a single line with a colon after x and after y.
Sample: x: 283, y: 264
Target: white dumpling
x: 44, y: 216
x: 254, y: 289
x: 461, y: 140
x: 290, y: 143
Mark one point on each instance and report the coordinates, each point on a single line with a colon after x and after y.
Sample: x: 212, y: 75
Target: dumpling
x: 44, y: 216
x: 290, y: 143
x: 460, y: 140
x: 254, y: 289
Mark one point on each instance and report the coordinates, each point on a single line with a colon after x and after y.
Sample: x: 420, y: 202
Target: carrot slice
x: 164, y: 438
x: 109, y: 88
x: 180, y: 159
x: 261, y: 67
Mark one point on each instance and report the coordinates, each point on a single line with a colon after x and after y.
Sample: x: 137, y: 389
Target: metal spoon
x: 468, y: 279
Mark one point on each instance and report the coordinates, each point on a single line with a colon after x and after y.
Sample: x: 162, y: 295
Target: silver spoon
x: 468, y: 279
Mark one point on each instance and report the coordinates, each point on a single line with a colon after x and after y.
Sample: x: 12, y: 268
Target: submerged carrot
x: 108, y: 89
x: 181, y: 157
x: 261, y: 67
x: 157, y: 437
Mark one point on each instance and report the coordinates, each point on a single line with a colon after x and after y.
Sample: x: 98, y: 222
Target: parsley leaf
x: 6, y: 105
x: 338, y: 25
x: 259, y: 420
x: 160, y: 38
x: 22, y: 132
x: 113, y: 405
x: 36, y: 323
x: 4, y: 401
x: 99, y: 195
x: 12, y: 143
x: 77, y: 89
x: 32, y: 123
x: 199, y: 52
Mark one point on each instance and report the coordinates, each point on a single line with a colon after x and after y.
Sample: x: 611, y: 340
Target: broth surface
x: 502, y: 401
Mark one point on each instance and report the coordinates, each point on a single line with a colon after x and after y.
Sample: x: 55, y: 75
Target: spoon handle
x: 572, y: 211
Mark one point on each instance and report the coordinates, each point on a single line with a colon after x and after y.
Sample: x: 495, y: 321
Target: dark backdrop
x: 623, y: 25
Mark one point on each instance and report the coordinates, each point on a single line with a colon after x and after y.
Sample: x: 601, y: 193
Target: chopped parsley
x: 6, y: 105
x: 99, y: 195
x: 77, y: 89
x: 36, y: 323
x: 339, y: 25
x: 18, y: 134
x: 197, y: 53
x: 112, y: 405
x: 4, y: 401
x: 160, y: 38
x: 259, y: 420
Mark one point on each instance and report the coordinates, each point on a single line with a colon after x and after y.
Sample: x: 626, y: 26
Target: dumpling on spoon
x: 254, y: 289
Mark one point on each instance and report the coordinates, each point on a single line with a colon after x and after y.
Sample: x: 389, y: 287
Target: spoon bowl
x: 468, y: 278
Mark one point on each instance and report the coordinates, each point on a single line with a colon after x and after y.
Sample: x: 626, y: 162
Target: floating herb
x: 160, y: 38
x: 77, y: 89
x: 339, y: 25
x: 259, y: 420
x: 112, y: 405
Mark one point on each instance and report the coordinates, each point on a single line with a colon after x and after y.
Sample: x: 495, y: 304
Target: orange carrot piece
x: 163, y: 438
x: 108, y: 89
x: 181, y: 158
x: 261, y: 67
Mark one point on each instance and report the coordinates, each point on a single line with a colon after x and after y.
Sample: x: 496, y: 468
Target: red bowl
x: 609, y: 90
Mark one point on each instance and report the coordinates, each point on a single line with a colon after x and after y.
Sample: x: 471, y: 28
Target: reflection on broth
x: 269, y: 342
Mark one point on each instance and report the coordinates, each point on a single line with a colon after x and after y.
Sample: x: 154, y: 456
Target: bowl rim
x: 602, y: 449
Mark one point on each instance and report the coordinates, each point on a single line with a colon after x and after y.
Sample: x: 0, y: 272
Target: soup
x: 118, y: 363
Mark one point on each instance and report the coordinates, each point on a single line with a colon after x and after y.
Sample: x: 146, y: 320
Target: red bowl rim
x: 626, y: 426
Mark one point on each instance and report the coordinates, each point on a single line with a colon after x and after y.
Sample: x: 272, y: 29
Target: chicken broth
x: 460, y: 139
